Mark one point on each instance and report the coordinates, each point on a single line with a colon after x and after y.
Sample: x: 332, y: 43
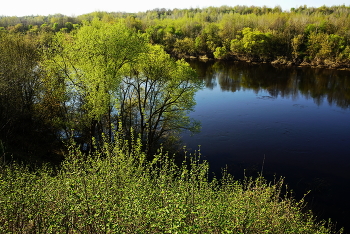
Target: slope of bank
x: 117, y: 190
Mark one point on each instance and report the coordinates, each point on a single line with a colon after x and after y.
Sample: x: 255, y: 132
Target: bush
x: 117, y: 191
x: 220, y: 53
x: 253, y: 44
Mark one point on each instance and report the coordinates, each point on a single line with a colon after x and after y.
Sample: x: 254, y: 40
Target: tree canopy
x: 87, y: 84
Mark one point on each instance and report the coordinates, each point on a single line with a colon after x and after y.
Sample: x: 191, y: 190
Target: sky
x: 79, y: 7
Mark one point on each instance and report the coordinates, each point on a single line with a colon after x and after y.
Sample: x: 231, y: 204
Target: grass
x: 116, y: 190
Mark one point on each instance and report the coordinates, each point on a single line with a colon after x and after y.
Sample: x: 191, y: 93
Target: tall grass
x: 116, y: 190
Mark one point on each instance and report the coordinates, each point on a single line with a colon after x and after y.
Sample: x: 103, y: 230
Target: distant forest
x: 301, y: 36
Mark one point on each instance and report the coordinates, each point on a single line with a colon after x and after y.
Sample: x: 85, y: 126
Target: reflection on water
x: 298, y: 119
x: 318, y: 84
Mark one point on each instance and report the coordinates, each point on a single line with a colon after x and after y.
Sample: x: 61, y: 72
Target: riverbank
x: 280, y: 61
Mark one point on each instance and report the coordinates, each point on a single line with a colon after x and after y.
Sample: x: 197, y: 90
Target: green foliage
x: 254, y: 44
x: 23, y: 125
x: 345, y: 54
x: 133, y: 23
x: 211, y: 35
x: 157, y: 96
x: 297, y: 43
x: 310, y: 28
x: 118, y: 191
x: 55, y: 27
x: 220, y: 53
x: 90, y: 66
x: 324, y: 47
x: 200, y: 45
x: 101, y: 50
x: 69, y: 26
x: 184, y: 46
x: 155, y: 34
x: 213, y: 27
x: 106, y: 73
x: 332, y: 47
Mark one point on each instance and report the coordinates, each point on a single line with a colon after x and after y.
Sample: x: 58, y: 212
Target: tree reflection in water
x: 286, y: 82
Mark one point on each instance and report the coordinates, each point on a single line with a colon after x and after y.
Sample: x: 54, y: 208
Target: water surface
x: 290, y: 122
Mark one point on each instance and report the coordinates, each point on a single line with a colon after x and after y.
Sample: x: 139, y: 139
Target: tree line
x: 301, y: 36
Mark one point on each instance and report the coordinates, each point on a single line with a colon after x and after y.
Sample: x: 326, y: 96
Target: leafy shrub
x: 117, y: 191
x: 253, y: 44
x: 220, y: 53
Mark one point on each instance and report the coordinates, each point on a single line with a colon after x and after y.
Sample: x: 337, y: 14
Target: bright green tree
x: 107, y: 73
x: 90, y: 62
x: 220, y: 53
x: 253, y: 44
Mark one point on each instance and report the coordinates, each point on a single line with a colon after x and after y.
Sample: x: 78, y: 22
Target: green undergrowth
x: 116, y: 190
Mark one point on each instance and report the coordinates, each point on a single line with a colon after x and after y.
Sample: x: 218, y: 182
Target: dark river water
x: 290, y: 122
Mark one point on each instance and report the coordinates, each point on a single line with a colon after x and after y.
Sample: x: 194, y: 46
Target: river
x: 292, y: 122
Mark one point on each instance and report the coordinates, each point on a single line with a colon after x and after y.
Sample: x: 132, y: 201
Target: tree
x: 254, y: 44
x: 23, y: 128
x: 107, y: 74
x: 184, y: 46
x: 90, y: 63
x: 220, y: 53
x: 68, y: 26
x: 211, y: 32
x: 297, y: 43
x: 156, y: 97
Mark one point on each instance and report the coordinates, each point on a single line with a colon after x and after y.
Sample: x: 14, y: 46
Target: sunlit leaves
x: 220, y: 53
x: 102, y: 50
x: 89, y: 64
x: 111, y: 74
x: 120, y: 192
x: 253, y: 44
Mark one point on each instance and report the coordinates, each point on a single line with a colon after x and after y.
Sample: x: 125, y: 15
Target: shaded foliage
x: 24, y: 127
x: 156, y: 98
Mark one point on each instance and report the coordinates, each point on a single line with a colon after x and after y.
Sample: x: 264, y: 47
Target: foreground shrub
x: 117, y: 191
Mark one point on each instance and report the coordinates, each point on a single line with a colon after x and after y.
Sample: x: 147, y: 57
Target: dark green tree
x: 23, y: 129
